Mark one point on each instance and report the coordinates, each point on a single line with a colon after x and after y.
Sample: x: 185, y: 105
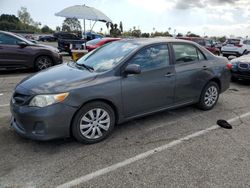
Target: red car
x: 203, y: 42
x: 93, y: 44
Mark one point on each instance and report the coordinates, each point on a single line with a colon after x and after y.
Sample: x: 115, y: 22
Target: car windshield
x: 23, y: 38
x: 93, y: 42
x: 107, y: 56
x: 233, y: 41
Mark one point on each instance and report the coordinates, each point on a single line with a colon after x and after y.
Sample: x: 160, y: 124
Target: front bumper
x: 58, y: 59
x: 241, y: 75
x: 46, y: 123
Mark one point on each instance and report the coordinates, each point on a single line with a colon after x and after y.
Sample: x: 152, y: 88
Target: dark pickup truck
x: 68, y: 41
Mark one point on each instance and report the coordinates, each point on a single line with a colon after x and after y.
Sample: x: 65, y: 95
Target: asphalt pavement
x: 177, y: 148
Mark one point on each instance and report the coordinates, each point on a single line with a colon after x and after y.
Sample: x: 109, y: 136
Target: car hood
x: 61, y: 78
x: 242, y: 59
x: 45, y: 47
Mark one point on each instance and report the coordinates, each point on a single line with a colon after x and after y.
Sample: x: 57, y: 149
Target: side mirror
x: 22, y: 43
x: 133, y: 69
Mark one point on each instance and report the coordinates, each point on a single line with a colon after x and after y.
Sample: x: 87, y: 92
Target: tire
x: 209, y: 96
x: 86, y: 126
x: 43, y: 62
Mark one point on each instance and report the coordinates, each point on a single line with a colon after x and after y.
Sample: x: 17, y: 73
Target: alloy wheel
x: 211, y: 96
x: 44, y: 63
x: 95, y: 123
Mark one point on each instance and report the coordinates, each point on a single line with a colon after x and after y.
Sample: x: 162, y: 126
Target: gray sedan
x: 116, y: 83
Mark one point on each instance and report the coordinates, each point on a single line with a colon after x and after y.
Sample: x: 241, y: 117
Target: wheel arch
x: 217, y: 81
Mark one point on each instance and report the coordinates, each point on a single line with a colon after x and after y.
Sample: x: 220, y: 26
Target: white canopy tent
x: 84, y: 12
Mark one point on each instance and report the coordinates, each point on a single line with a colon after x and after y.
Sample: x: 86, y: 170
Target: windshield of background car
x: 233, y: 41
x: 93, y: 42
x: 108, y: 56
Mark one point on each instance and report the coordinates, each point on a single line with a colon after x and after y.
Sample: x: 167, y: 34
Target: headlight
x: 46, y: 100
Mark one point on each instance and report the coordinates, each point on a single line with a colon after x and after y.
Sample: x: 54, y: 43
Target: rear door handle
x: 169, y: 74
x: 205, y: 67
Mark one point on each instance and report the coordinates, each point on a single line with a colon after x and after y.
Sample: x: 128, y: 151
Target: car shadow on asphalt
x: 243, y: 82
x: 14, y: 72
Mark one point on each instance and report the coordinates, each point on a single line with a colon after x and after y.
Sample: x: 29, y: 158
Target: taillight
x: 229, y: 66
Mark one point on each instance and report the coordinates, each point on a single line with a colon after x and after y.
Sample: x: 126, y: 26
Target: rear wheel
x: 43, y: 62
x: 209, y: 96
x: 93, y: 122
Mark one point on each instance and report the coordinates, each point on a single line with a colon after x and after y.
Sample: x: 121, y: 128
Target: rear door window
x: 186, y: 53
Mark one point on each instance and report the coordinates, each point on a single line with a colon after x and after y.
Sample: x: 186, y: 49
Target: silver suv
x: 236, y: 47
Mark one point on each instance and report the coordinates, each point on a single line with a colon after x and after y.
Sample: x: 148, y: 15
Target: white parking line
x: 1, y: 94
x: 144, y: 155
x: 4, y: 105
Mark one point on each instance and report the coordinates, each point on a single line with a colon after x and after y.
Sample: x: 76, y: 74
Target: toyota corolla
x: 115, y: 83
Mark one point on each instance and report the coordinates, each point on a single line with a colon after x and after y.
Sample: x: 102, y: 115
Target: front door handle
x: 169, y: 74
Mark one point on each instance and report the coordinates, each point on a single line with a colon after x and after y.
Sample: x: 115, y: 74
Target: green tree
x: 46, y: 29
x: 58, y: 28
x: 24, y: 16
x: 136, y: 32
x: 9, y: 18
x: 121, y: 27
x: 9, y: 22
x: 71, y: 25
x: 145, y: 35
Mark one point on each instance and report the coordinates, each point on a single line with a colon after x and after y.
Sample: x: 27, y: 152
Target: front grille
x: 20, y: 99
x: 243, y: 66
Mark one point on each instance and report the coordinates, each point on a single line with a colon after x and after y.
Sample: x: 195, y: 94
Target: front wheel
x: 93, y: 122
x: 209, y: 96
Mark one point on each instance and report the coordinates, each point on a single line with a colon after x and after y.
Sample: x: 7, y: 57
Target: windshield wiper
x: 89, y: 68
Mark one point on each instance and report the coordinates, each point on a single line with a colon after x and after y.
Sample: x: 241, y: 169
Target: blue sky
x: 212, y: 17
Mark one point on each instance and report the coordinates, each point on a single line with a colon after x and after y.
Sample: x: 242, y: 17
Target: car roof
x: 15, y: 35
x: 8, y: 33
x: 190, y: 38
x: 148, y: 41
x: 110, y: 38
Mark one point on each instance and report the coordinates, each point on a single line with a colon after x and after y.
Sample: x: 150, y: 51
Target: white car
x: 236, y: 47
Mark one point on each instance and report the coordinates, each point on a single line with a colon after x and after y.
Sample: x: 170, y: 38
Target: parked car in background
x: 116, y: 83
x: 93, y: 35
x: 240, y: 67
x: 93, y: 44
x: 203, y: 42
x: 235, y: 47
x: 19, y: 53
x: 68, y: 41
x: 47, y: 38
